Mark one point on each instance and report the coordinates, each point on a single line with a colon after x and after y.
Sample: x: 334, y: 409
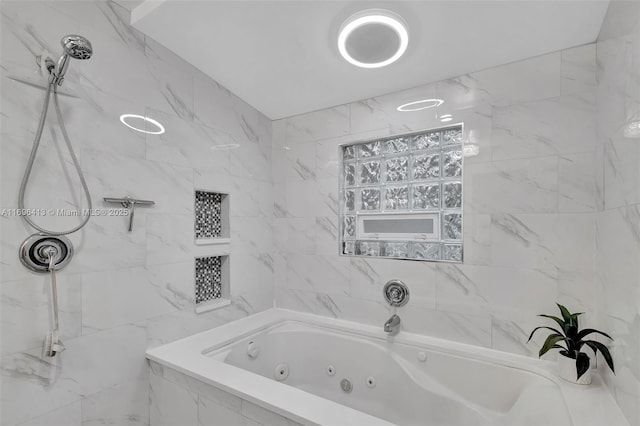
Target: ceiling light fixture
x: 446, y: 117
x: 160, y: 128
x: 373, y: 38
x: 420, y: 105
x: 226, y: 146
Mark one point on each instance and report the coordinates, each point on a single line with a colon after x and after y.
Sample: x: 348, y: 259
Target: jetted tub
x: 317, y: 370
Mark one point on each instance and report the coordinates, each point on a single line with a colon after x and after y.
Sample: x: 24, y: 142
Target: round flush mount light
x: 420, y: 105
x: 126, y: 119
x: 373, y: 38
x: 446, y: 117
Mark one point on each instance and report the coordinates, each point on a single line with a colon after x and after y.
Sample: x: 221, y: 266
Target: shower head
x: 76, y: 47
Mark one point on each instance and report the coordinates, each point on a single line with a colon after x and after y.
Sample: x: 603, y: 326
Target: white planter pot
x: 567, y: 371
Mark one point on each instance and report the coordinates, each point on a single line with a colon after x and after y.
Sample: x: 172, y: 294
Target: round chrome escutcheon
x: 36, y: 250
x: 396, y: 293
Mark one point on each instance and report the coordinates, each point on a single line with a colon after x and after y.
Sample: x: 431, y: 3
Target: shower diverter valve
x: 36, y: 249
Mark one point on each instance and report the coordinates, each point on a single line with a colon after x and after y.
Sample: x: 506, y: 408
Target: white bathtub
x: 392, y: 382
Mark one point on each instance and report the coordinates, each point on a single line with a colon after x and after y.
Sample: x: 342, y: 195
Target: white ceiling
x: 281, y: 56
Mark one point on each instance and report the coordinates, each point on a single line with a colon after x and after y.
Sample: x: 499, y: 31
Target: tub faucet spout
x: 392, y: 325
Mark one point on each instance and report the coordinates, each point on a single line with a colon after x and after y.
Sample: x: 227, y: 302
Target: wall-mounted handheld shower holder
x: 129, y: 204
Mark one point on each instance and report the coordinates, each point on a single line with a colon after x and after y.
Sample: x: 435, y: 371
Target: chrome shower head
x: 76, y: 47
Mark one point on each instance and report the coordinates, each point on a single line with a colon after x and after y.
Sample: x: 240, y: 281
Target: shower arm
x: 129, y: 204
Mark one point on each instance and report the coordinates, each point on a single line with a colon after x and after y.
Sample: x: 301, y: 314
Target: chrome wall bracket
x: 396, y: 293
x: 36, y: 250
x: 129, y: 204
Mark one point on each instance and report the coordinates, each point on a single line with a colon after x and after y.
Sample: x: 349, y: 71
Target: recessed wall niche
x: 211, y: 211
x: 211, y: 282
x: 401, y: 196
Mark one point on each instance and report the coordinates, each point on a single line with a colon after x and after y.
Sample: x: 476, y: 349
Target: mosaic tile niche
x: 211, y: 277
x: 211, y: 225
x: 401, y: 197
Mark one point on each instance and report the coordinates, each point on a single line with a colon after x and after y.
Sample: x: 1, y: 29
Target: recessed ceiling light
x: 420, y: 105
x: 446, y: 117
x: 125, y: 117
x: 226, y: 146
x: 373, y: 38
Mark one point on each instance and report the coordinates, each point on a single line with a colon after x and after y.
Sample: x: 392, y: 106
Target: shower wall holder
x: 129, y: 204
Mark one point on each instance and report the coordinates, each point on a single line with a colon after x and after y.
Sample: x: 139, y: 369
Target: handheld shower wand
x: 74, y: 46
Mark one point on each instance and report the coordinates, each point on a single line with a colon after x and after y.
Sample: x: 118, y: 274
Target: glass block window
x: 410, y: 188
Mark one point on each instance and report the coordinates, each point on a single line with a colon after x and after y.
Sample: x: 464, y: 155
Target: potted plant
x: 573, y: 364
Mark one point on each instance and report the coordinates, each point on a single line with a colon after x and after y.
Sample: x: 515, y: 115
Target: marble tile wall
x: 123, y: 292
x: 618, y: 201
x: 529, y: 205
x: 177, y: 399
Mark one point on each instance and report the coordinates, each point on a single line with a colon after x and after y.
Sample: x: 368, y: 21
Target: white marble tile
x: 297, y: 300
x: 26, y: 377
x: 477, y: 239
x: 326, y: 239
x: 326, y: 203
x: 169, y: 238
x: 251, y: 160
x: 125, y: 404
x: 522, y: 81
x: 510, y: 333
x: 302, y: 198
x: 187, y: 144
x: 68, y: 415
x: 26, y: 311
x: 543, y: 242
x: 264, y: 416
x: 352, y: 308
x: 106, y: 244
x: 108, y: 175
x: 105, y: 359
x: 368, y: 277
x: 298, y: 162
x: 621, y: 174
x: 577, y: 182
x: 499, y: 291
x: 313, y: 126
x: 251, y: 274
x: 381, y: 111
x: 295, y: 235
x: 211, y: 412
x: 203, y: 390
x: 327, y: 160
x: 514, y: 186
x: 170, y: 327
x: 552, y: 126
x: 104, y: 306
x: 318, y: 273
x: 465, y: 328
x: 251, y: 235
x: 171, y: 405
x: 250, y: 198
x: 578, y: 69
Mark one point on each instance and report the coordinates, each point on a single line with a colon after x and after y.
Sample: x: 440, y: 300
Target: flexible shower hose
x: 36, y: 144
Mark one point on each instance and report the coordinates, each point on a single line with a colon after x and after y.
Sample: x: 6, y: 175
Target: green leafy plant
x: 573, y: 339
